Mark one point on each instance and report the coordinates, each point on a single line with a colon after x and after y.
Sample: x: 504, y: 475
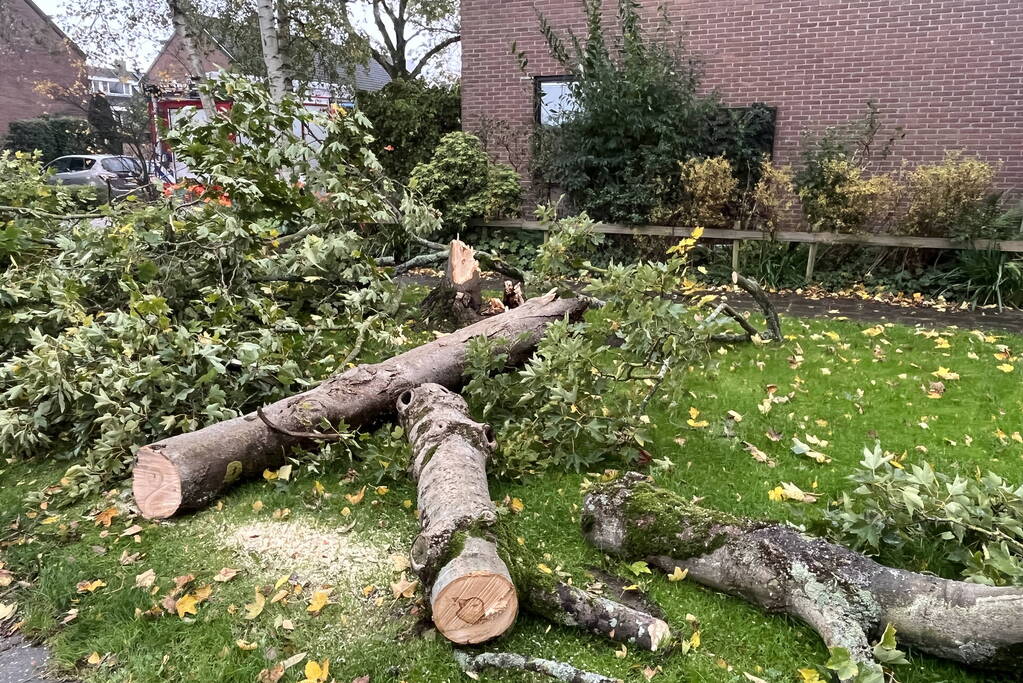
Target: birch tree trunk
x: 847, y: 598
x: 275, y: 68
x: 195, y: 63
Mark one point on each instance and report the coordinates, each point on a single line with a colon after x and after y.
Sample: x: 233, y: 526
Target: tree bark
x: 476, y: 569
x: 471, y: 592
x: 846, y: 597
x: 188, y: 471
x: 459, y: 295
x: 559, y: 671
x: 269, y: 41
x: 181, y: 27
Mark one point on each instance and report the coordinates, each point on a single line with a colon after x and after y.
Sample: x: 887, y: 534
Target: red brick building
x: 33, y: 51
x: 950, y: 72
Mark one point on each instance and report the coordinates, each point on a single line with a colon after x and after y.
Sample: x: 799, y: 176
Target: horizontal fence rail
x: 814, y: 239
x: 780, y: 236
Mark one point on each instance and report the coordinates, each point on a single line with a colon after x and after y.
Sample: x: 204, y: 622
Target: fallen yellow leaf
x: 356, y: 498
x: 255, y: 608
x: 318, y: 601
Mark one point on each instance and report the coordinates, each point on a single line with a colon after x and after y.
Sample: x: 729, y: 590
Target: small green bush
x: 955, y: 198
x: 409, y: 118
x: 52, y: 136
x: 463, y: 183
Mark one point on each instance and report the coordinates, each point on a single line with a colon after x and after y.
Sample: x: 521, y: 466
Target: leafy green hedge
x: 53, y: 136
x: 409, y: 118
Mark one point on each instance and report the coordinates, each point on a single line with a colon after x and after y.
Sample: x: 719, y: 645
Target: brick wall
x: 949, y: 71
x: 172, y: 63
x: 33, y: 51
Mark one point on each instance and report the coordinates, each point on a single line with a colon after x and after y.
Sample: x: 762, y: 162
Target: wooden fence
x: 814, y: 239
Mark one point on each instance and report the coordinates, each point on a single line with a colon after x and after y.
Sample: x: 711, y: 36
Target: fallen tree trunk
x: 476, y: 570
x: 471, y: 592
x: 188, y: 471
x: 846, y: 597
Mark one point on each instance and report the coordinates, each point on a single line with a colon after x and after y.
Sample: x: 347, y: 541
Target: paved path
x: 1009, y: 320
x: 22, y: 662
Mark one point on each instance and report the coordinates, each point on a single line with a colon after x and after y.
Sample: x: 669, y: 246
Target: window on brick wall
x: 554, y: 99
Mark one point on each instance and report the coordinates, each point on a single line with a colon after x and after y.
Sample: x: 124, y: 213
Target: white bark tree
x: 268, y: 12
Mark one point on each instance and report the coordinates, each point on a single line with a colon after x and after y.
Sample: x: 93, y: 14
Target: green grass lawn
x: 843, y: 386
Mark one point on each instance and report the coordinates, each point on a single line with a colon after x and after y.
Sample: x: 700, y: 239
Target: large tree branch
x: 433, y: 52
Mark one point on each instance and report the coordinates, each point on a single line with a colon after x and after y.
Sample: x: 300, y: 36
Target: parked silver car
x: 117, y: 175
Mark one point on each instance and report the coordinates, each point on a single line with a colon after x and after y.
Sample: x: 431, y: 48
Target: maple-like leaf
x: 356, y: 498
x: 678, y: 575
x: 106, y: 517
x: 318, y: 601
x: 316, y: 672
x: 186, y: 604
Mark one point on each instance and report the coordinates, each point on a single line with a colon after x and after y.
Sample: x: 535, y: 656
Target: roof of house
x: 46, y: 18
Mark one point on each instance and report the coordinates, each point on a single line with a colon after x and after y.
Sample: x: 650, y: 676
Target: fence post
x: 735, y: 249
x: 811, y: 257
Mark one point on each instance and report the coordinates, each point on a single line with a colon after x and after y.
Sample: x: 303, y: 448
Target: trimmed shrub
x: 954, y: 199
x: 463, y: 183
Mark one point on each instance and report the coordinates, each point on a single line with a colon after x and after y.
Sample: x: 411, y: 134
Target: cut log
x: 846, y: 597
x: 471, y: 591
x: 188, y: 471
x: 477, y: 570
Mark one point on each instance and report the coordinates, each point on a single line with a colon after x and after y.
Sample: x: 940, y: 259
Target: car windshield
x: 72, y: 164
x: 120, y: 165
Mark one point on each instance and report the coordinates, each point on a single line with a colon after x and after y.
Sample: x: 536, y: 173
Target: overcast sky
x: 143, y: 54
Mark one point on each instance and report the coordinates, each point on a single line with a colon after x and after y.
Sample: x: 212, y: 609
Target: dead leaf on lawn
x: 758, y: 454
x: 145, y: 579
x: 184, y: 580
x: 318, y: 601
x: 106, y: 517
x: 356, y: 498
x: 255, y: 608
x: 403, y: 588
x: 225, y: 574
x: 90, y: 586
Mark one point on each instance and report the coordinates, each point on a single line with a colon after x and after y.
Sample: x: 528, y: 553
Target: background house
x: 117, y: 84
x: 950, y: 72
x: 34, y: 51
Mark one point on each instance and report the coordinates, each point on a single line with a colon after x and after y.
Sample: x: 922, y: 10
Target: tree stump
x: 846, y: 597
x: 471, y: 591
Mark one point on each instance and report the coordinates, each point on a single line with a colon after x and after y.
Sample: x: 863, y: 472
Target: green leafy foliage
x: 52, y: 136
x: 25, y: 199
x: 639, y: 113
x: 975, y: 521
x: 583, y: 396
x: 409, y: 118
x: 463, y: 183
x: 165, y: 317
